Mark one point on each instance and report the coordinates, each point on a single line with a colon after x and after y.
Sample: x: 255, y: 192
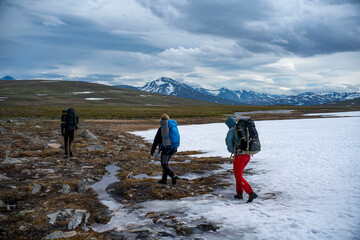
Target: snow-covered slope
x: 168, y: 86
x: 308, y: 183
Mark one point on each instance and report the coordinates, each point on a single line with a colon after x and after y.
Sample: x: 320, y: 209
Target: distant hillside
x: 7, y: 78
x: 59, y: 93
x: 127, y: 86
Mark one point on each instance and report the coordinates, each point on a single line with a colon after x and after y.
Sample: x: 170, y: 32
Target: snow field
x: 307, y: 177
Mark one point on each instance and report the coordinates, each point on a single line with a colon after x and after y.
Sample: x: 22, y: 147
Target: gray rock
x: 3, y: 177
x: 9, y: 121
x: 130, y: 175
x: 26, y: 171
x: 14, y: 160
x: 140, y: 146
x: 53, y: 217
x: 84, y: 185
x: 86, y: 134
x: 2, y: 204
x: 61, y: 234
x: 2, y: 130
x: 36, y: 188
x: 94, y: 146
x: 206, y: 227
x: 76, y: 219
x: 66, y: 189
x: 138, y: 230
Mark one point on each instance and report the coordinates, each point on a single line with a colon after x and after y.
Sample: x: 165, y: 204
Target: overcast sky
x: 272, y: 46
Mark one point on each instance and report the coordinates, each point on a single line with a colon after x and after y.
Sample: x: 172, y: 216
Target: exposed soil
x: 42, y: 191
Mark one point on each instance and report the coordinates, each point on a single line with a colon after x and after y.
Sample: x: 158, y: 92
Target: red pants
x: 240, y: 163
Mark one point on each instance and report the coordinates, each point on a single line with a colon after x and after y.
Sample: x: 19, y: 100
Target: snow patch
x: 308, y: 183
x: 96, y: 99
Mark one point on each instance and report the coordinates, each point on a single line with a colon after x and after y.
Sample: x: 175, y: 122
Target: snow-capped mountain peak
x: 168, y: 86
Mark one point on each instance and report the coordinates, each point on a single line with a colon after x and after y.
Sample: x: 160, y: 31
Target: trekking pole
x: 158, y: 152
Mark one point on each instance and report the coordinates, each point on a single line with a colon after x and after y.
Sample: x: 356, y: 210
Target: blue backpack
x: 170, y: 134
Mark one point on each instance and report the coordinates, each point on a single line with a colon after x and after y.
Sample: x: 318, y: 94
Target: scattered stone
x: 138, y: 230
x: 53, y: 217
x: 140, y: 146
x: 76, y: 219
x: 60, y: 234
x: 206, y: 227
x: 94, y: 146
x: 14, y: 160
x: 66, y: 189
x: 152, y: 215
x: 26, y: 171
x: 22, y: 213
x: 46, y: 171
x: 183, y: 230
x: 2, y: 130
x: 3, y: 177
x: 36, y: 188
x: 130, y: 175
x: 9, y: 121
x: 54, y: 145
x: 2, y: 204
x: 84, y: 185
x: 86, y: 134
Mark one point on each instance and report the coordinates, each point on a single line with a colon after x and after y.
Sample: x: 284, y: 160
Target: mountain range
x: 170, y: 87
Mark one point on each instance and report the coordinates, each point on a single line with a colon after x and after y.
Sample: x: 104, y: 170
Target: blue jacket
x: 230, y: 137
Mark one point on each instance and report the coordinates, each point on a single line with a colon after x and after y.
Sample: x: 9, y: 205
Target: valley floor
x: 45, y: 195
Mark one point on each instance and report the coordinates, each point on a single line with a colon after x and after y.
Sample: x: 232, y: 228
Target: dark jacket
x: 158, y: 141
x: 230, y: 137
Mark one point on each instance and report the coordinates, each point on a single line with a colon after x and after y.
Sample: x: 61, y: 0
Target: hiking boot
x: 252, y: 196
x: 66, y: 153
x: 173, y: 180
x: 162, y: 181
x: 70, y: 154
x: 238, y: 196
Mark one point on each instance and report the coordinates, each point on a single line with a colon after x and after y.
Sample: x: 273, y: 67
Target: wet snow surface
x: 307, y: 177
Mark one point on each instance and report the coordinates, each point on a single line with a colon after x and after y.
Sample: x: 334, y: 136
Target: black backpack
x: 249, y: 138
x: 70, y: 119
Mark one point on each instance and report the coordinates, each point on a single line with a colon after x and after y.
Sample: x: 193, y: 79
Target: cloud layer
x: 274, y: 46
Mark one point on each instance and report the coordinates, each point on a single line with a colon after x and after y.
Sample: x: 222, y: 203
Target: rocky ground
x: 46, y: 195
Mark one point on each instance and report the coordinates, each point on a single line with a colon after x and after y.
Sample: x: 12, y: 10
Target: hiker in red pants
x: 240, y: 161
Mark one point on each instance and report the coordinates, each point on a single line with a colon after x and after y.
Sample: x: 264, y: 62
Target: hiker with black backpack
x: 69, y: 123
x: 168, y: 139
x: 242, y: 140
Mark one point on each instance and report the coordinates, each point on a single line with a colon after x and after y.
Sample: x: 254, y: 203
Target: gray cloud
x: 284, y: 46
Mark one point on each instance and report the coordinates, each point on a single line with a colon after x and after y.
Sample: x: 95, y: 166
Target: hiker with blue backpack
x: 242, y: 140
x: 168, y: 139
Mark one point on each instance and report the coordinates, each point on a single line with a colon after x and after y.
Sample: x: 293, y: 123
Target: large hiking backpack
x: 249, y: 138
x: 170, y: 134
x: 70, y: 119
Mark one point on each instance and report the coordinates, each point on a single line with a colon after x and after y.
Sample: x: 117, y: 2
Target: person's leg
x: 165, y: 164
x: 71, y: 139
x: 66, y: 137
x: 166, y: 170
x: 245, y: 185
x: 237, y: 164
